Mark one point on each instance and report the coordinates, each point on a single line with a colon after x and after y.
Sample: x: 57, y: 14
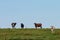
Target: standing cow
x: 13, y: 25
x: 52, y: 29
x: 38, y: 25
x: 22, y: 25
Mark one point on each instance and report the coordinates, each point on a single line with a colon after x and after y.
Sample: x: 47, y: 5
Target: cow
x: 22, y: 25
x: 13, y: 25
x: 38, y: 25
x: 52, y: 29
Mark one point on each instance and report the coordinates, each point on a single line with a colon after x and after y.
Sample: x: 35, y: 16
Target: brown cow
x: 38, y: 25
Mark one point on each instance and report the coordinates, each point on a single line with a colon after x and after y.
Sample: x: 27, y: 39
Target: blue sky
x: 28, y: 12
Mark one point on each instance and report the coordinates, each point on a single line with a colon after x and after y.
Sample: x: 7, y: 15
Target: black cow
x: 13, y: 25
x: 22, y: 25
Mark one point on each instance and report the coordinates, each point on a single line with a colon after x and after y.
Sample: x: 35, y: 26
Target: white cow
x: 52, y: 29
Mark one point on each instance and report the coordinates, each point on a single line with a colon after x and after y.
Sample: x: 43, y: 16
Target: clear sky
x: 28, y: 12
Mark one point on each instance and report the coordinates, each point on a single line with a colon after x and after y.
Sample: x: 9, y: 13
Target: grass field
x: 29, y: 34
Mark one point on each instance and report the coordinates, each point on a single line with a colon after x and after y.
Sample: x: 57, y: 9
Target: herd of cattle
x: 36, y: 26
x: 22, y: 25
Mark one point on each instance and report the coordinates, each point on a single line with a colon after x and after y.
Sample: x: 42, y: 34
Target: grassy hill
x: 29, y: 34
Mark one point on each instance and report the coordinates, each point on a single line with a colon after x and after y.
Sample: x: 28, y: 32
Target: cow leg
x: 22, y: 27
x: 41, y: 27
x: 36, y: 27
x: 13, y: 26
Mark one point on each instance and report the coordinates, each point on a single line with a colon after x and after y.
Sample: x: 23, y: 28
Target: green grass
x: 29, y: 34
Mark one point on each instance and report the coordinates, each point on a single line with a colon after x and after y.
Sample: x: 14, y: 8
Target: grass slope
x: 29, y: 34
